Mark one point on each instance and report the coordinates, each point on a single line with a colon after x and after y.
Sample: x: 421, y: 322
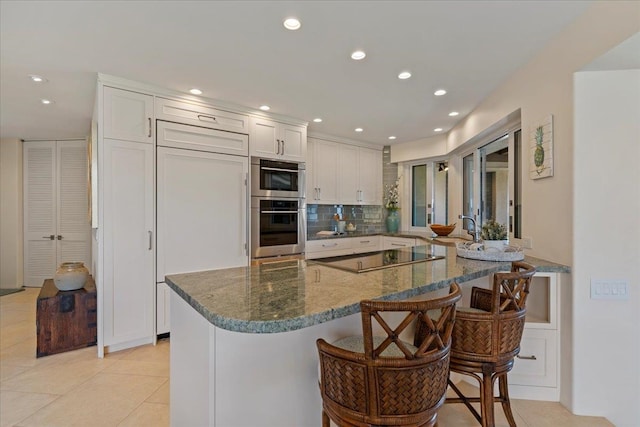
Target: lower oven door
x: 277, y: 227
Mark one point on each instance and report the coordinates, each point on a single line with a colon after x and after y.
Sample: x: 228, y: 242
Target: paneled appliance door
x: 277, y: 226
x: 201, y: 211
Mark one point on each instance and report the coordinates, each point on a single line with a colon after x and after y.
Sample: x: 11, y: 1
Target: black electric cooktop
x: 371, y: 261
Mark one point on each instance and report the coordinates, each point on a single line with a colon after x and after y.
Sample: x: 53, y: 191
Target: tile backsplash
x: 366, y: 218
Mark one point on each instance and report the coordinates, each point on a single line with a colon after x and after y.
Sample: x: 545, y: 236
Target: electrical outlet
x: 527, y: 243
x: 609, y: 289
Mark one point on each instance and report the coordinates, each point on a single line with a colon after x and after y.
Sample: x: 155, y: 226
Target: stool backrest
x: 376, y: 389
x: 493, y: 331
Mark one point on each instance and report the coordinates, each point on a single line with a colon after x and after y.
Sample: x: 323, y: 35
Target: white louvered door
x: 56, y: 224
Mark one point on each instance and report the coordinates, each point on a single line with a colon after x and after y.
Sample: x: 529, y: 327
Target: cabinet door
x: 310, y: 185
x: 39, y: 211
x: 202, y: 211
x: 348, y: 174
x: 128, y: 115
x: 128, y: 222
x: 163, y: 312
x: 56, y: 201
x: 326, y: 161
x: 263, y: 138
x: 72, y: 201
x: 293, y: 142
x: 370, y: 176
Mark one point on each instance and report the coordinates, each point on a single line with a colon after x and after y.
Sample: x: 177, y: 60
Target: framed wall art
x: 541, y: 152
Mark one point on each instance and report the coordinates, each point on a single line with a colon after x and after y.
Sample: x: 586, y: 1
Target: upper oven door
x: 271, y: 178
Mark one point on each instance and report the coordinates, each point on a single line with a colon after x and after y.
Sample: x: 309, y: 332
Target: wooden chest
x: 65, y: 320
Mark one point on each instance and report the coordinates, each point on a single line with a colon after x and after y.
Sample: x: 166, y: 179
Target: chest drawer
x: 200, y: 115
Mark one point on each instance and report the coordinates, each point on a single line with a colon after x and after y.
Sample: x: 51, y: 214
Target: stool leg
x: 486, y: 399
x: 504, y: 397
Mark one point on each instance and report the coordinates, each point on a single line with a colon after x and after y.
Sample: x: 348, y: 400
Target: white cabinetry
x: 341, y: 246
x: 277, y: 140
x: 200, y: 115
x: 56, y: 226
x: 397, y: 242
x: 322, y: 179
x: 126, y: 285
x: 360, y: 172
x: 127, y: 115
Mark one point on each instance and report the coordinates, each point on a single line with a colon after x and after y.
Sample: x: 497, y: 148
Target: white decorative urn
x: 70, y: 276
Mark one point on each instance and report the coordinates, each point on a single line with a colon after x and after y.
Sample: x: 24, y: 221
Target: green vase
x: 393, y: 221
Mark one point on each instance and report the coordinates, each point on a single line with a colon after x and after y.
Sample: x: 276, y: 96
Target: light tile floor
x: 131, y: 387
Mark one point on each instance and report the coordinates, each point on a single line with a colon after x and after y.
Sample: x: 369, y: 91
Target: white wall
x: 11, y: 271
x: 606, y: 241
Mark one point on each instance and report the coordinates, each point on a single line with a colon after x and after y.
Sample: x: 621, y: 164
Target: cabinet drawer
x: 365, y: 243
x: 200, y: 115
x: 202, y: 139
x: 398, y: 242
x: 536, y: 365
x: 328, y: 248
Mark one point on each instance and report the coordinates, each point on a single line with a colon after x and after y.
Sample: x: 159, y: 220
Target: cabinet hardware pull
x: 397, y: 244
x: 60, y: 237
x: 319, y: 193
x: 50, y: 237
x: 149, y: 127
x: 278, y: 149
x: 267, y: 168
x: 279, y: 212
x: 365, y: 241
x: 324, y: 245
x: 206, y: 118
x: 283, y: 147
x: 150, y: 239
x: 532, y: 357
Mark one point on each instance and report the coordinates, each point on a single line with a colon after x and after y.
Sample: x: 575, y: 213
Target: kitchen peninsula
x: 243, y: 347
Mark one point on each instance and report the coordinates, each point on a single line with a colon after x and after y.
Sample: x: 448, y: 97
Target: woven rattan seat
x: 390, y: 382
x: 486, y: 338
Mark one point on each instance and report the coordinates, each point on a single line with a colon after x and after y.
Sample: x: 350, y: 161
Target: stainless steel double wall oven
x: 278, y: 208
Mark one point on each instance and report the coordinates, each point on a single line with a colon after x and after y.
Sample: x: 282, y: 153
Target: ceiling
x: 239, y: 52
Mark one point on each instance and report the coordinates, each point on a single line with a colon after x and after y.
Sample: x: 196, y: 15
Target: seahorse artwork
x: 538, y: 157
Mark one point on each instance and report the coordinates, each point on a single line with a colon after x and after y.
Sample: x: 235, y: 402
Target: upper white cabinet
x: 201, y: 115
x: 201, y: 139
x: 127, y: 115
x: 322, y: 179
x: 277, y: 140
x: 361, y: 174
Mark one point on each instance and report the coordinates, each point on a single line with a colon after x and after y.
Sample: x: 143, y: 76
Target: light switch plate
x: 609, y: 289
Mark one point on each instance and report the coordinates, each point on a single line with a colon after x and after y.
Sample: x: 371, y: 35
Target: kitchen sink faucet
x: 476, y: 232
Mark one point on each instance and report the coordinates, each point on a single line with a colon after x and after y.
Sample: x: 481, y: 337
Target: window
x: 429, y: 194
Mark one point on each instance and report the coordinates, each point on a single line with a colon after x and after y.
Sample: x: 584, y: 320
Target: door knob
x: 50, y: 237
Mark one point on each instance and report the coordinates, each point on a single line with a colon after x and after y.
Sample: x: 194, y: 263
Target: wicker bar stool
x: 372, y: 381
x: 486, y: 339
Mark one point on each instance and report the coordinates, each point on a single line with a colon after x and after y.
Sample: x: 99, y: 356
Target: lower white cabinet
x: 125, y: 278
x: 397, y: 242
x: 341, y: 246
x: 163, y: 314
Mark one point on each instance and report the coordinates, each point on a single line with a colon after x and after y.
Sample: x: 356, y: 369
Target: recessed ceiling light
x: 265, y: 108
x: 392, y: 137
x: 291, y: 24
x: 46, y: 101
x: 439, y: 92
x: 195, y: 91
x: 453, y: 113
x: 358, y: 55
x: 37, y: 79
x: 317, y: 120
x: 359, y: 129
x: 404, y: 75
x: 437, y: 130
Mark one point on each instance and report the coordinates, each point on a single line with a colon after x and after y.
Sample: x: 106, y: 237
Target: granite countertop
x: 421, y: 235
x: 289, y: 295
